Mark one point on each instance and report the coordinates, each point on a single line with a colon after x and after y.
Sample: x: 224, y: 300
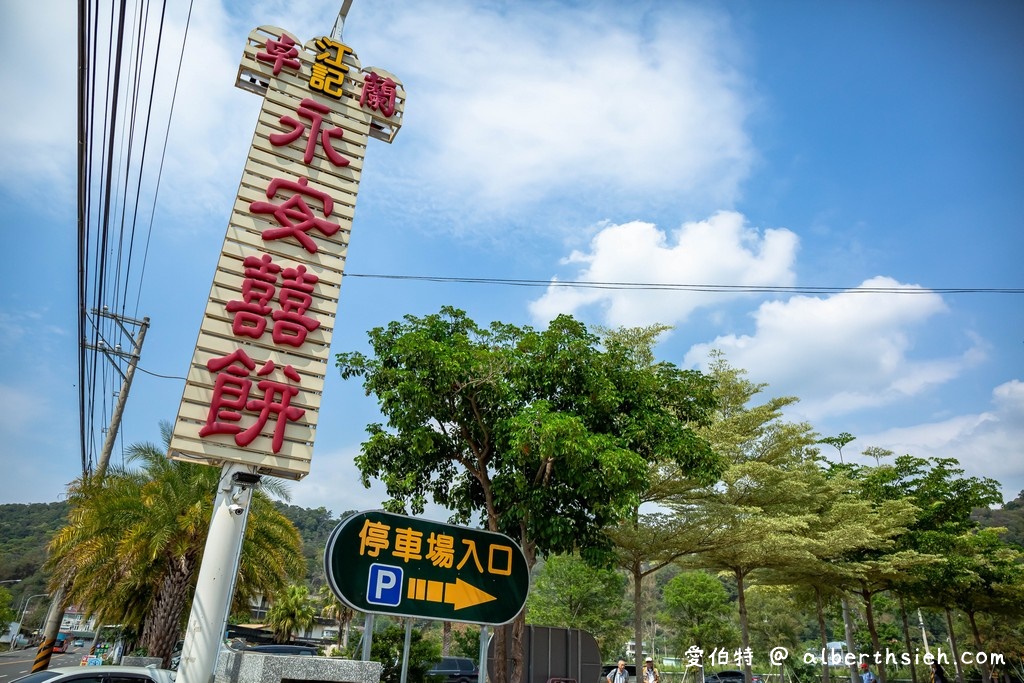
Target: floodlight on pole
x: 24, y: 611
x: 339, y: 23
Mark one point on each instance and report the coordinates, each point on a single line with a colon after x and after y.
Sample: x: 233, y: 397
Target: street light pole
x: 24, y: 611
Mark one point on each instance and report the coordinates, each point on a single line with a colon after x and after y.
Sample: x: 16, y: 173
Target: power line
x: 667, y: 286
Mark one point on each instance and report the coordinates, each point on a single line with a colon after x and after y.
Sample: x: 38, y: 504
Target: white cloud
x: 842, y: 352
x: 986, y: 444
x: 509, y: 105
x: 513, y: 104
x: 37, y: 139
x: 722, y: 250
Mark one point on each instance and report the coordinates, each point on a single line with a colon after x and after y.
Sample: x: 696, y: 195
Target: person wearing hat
x: 650, y: 673
x: 865, y: 674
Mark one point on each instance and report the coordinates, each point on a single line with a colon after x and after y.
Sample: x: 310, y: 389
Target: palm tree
x: 292, y: 611
x: 334, y: 608
x: 134, y: 541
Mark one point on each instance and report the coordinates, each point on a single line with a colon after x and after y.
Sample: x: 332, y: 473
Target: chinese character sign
x: 393, y: 564
x: 253, y: 390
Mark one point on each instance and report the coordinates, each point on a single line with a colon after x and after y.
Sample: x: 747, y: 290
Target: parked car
x: 729, y: 676
x: 454, y: 670
x: 99, y: 674
x: 607, y: 669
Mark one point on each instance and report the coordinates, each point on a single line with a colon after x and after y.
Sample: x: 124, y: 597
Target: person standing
x: 938, y: 673
x: 650, y: 673
x: 619, y: 673
x: 865, y: 674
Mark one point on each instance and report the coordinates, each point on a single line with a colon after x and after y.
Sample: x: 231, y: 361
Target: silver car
x: 99, y: 674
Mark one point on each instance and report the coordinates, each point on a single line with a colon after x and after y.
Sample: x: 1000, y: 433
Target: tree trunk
x: 952, y: 646
x: 869, y: 616
x: 906, y: 639
x: 348, y: 629
x: 848, y: 625
x: 160, y: 632
x: 518, y: 672
x: 986, y: 673
x: 512, y: 634
x: 446, y: 639
x: 825, y: 675
x: 638, y: 636
x: 744, y: 628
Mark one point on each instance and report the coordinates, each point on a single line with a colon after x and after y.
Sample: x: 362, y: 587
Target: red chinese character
x: 230, y: 393
x: 231, y: 396
x: 257, y: 291
x: 292, y: 324
x: 378, y: 94
x: 294, y: 215
x: 328, y: 70
x: 314, y: 111
x: 281, y: 52
x: 276, y: 399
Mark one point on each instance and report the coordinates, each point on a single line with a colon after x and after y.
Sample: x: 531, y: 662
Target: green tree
x: 701, y: 608
x: 387, y: 647
x: 945, y: 500
x: 133, y: 544
x: 568, y: 593
x: 292, y: 612
x: 542, y: 433
x: 646, y: 542
x: 767, y: 498
x: 7, y: 611
x: 333, y: 608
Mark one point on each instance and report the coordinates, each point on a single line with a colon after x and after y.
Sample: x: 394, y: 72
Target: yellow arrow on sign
x: 461, y: 594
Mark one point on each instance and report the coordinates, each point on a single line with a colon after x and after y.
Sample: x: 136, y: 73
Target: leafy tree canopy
x: 567, y: 593
x: 545, y: 433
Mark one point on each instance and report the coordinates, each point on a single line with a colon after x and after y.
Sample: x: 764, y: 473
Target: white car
x: 99, y: 674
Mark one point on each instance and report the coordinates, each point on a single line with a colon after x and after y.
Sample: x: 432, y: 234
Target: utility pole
x: 122, y: 396
x: 56, y: 611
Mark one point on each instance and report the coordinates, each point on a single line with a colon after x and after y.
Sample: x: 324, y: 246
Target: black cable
x: 665, y: 286
x: 83, y: 146
x: 142, y: 161
x: 156, y: 374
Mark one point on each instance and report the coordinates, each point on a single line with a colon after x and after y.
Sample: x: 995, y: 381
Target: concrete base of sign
x: 255, y: 667
x: 141, y: 661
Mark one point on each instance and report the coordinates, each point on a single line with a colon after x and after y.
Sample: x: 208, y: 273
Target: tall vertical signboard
x: 252, y: 394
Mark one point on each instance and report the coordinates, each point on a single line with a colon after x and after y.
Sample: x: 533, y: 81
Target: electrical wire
x: 668, y: 286
x: 116, y: 106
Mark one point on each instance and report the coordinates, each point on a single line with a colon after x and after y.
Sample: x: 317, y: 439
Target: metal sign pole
x: 482, y: 676
x: 212, y: 601
x: 405, y: 650
x: 367, y: 636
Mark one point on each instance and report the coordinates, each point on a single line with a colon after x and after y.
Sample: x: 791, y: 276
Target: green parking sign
x: 393, y: 564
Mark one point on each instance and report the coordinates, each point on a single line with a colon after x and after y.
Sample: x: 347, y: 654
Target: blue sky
x: 841, y: 144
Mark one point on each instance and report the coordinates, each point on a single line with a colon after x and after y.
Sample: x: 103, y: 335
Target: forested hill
x: 1011, y: 516
x: 315, y: 525
x: 25, y: 529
